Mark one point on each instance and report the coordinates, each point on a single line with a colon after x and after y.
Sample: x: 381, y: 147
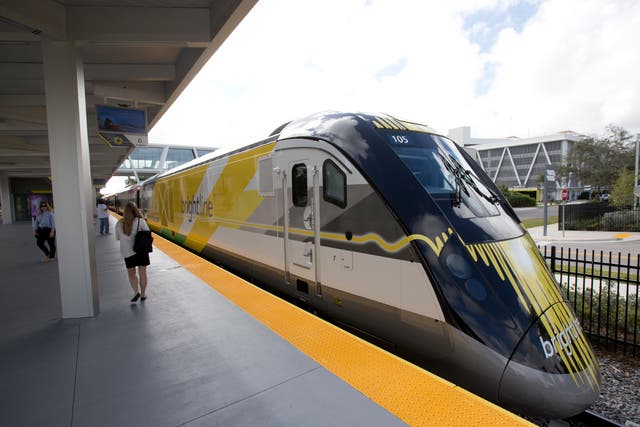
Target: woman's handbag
x: 143, y: 242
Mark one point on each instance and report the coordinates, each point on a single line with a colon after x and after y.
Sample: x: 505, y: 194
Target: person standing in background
x: 44, y: 229
x: 103, y: 217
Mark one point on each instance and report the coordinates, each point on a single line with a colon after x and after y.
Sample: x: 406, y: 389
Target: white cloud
x: 572, y: 66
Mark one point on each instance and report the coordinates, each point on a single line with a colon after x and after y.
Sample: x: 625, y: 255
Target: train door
x: 302, y: 227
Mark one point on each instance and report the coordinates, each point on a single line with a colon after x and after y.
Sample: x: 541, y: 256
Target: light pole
x: 549, y: 176
x: 635, y: 177
x: 544, y: 194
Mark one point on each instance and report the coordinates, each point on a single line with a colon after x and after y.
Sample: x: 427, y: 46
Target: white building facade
x: 520, y: 163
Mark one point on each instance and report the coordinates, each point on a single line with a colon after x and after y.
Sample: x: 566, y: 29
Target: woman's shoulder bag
x: 143, y: 242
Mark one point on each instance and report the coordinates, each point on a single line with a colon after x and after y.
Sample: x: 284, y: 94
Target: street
x: 535, y: 212
x: 614, y: 245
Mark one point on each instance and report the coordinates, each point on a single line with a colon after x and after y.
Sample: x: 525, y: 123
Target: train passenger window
x: 299, y: 184
x: 334, y: 184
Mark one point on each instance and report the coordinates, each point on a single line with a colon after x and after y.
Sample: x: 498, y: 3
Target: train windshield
x: 445, y: 174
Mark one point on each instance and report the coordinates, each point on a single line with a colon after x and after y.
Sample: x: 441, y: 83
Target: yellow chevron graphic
x: 519, y: 263
x: 167, y: 192
x: 231, y: 200
x: 390, y: 123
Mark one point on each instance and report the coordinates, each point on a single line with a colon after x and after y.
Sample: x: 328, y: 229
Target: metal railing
x: 602, y: 288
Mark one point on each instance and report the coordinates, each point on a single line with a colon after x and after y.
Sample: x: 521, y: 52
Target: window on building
x: 144, y: 158
x: 203, y: 151
x: 177, y: 157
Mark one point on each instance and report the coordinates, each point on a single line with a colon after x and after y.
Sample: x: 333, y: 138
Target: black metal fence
x: 603, y: 290
x: 599, y: 216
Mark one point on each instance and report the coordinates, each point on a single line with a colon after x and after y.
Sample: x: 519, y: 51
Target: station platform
x: 205, y: 349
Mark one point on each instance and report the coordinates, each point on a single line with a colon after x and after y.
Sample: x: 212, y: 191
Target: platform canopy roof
x: 136, y: 54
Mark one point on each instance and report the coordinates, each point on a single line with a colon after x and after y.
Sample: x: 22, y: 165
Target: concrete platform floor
x: 185, y: 357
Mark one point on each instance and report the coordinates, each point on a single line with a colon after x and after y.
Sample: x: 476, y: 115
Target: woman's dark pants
x: 43, y: 236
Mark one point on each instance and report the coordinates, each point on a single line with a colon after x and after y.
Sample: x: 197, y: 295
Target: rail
x: 590, y: 418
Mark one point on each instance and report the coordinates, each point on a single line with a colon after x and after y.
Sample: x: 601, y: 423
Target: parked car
x: 604, y: 197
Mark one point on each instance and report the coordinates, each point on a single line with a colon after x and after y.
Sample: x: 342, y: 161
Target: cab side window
x: 299, y: 185
x: 334, y: 184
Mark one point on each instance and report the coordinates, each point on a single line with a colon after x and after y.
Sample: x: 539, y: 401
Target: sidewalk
x: 555, y: 235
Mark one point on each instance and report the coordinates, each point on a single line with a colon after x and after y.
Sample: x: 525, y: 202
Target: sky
x: 502, y: 67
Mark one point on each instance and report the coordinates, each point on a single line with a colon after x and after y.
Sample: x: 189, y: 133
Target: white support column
x: 71, y: 174
x: 5, y: 193
x: 513, y: 165
x: 533, y: 163
x: 504, y: 150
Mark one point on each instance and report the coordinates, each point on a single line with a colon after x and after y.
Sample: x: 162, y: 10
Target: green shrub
x: 627, y: 220
x: 606, y: 313
x: 518, y: 200
x: 515, y: 199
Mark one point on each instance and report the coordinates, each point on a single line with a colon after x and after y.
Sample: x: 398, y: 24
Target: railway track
x: 591, y: 419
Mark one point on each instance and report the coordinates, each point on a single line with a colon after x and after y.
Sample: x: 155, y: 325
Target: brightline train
x: 392, y: 229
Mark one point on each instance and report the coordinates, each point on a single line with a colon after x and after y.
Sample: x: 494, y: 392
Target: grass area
x: 539, y: 222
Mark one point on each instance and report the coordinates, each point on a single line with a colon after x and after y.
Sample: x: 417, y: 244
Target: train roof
x: 337, y: 127
x: 340, y: 126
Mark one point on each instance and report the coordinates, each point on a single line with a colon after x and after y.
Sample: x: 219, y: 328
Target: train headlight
x: 458, y: 266
x: 463, y: 270
x: 476, y: 289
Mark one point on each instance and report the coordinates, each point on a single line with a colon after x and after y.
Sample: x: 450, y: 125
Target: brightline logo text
x: 196, y: 206
x: 561, y: 341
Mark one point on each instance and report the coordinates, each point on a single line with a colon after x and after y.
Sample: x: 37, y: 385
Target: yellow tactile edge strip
x: 414, y: 395
x: 621, y: 235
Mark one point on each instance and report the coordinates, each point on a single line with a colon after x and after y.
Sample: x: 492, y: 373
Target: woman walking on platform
x: 126, y: 230
x: 44, y: 229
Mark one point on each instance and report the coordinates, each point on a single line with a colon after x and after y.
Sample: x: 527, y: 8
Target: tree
x: 598, y: 161
x: 622, y: 193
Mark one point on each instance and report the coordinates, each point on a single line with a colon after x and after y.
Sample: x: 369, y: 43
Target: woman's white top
x: 126, y: 242
x: 44, y: 219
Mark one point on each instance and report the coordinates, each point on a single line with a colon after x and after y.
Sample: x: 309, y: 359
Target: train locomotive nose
x: 552, y: 372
